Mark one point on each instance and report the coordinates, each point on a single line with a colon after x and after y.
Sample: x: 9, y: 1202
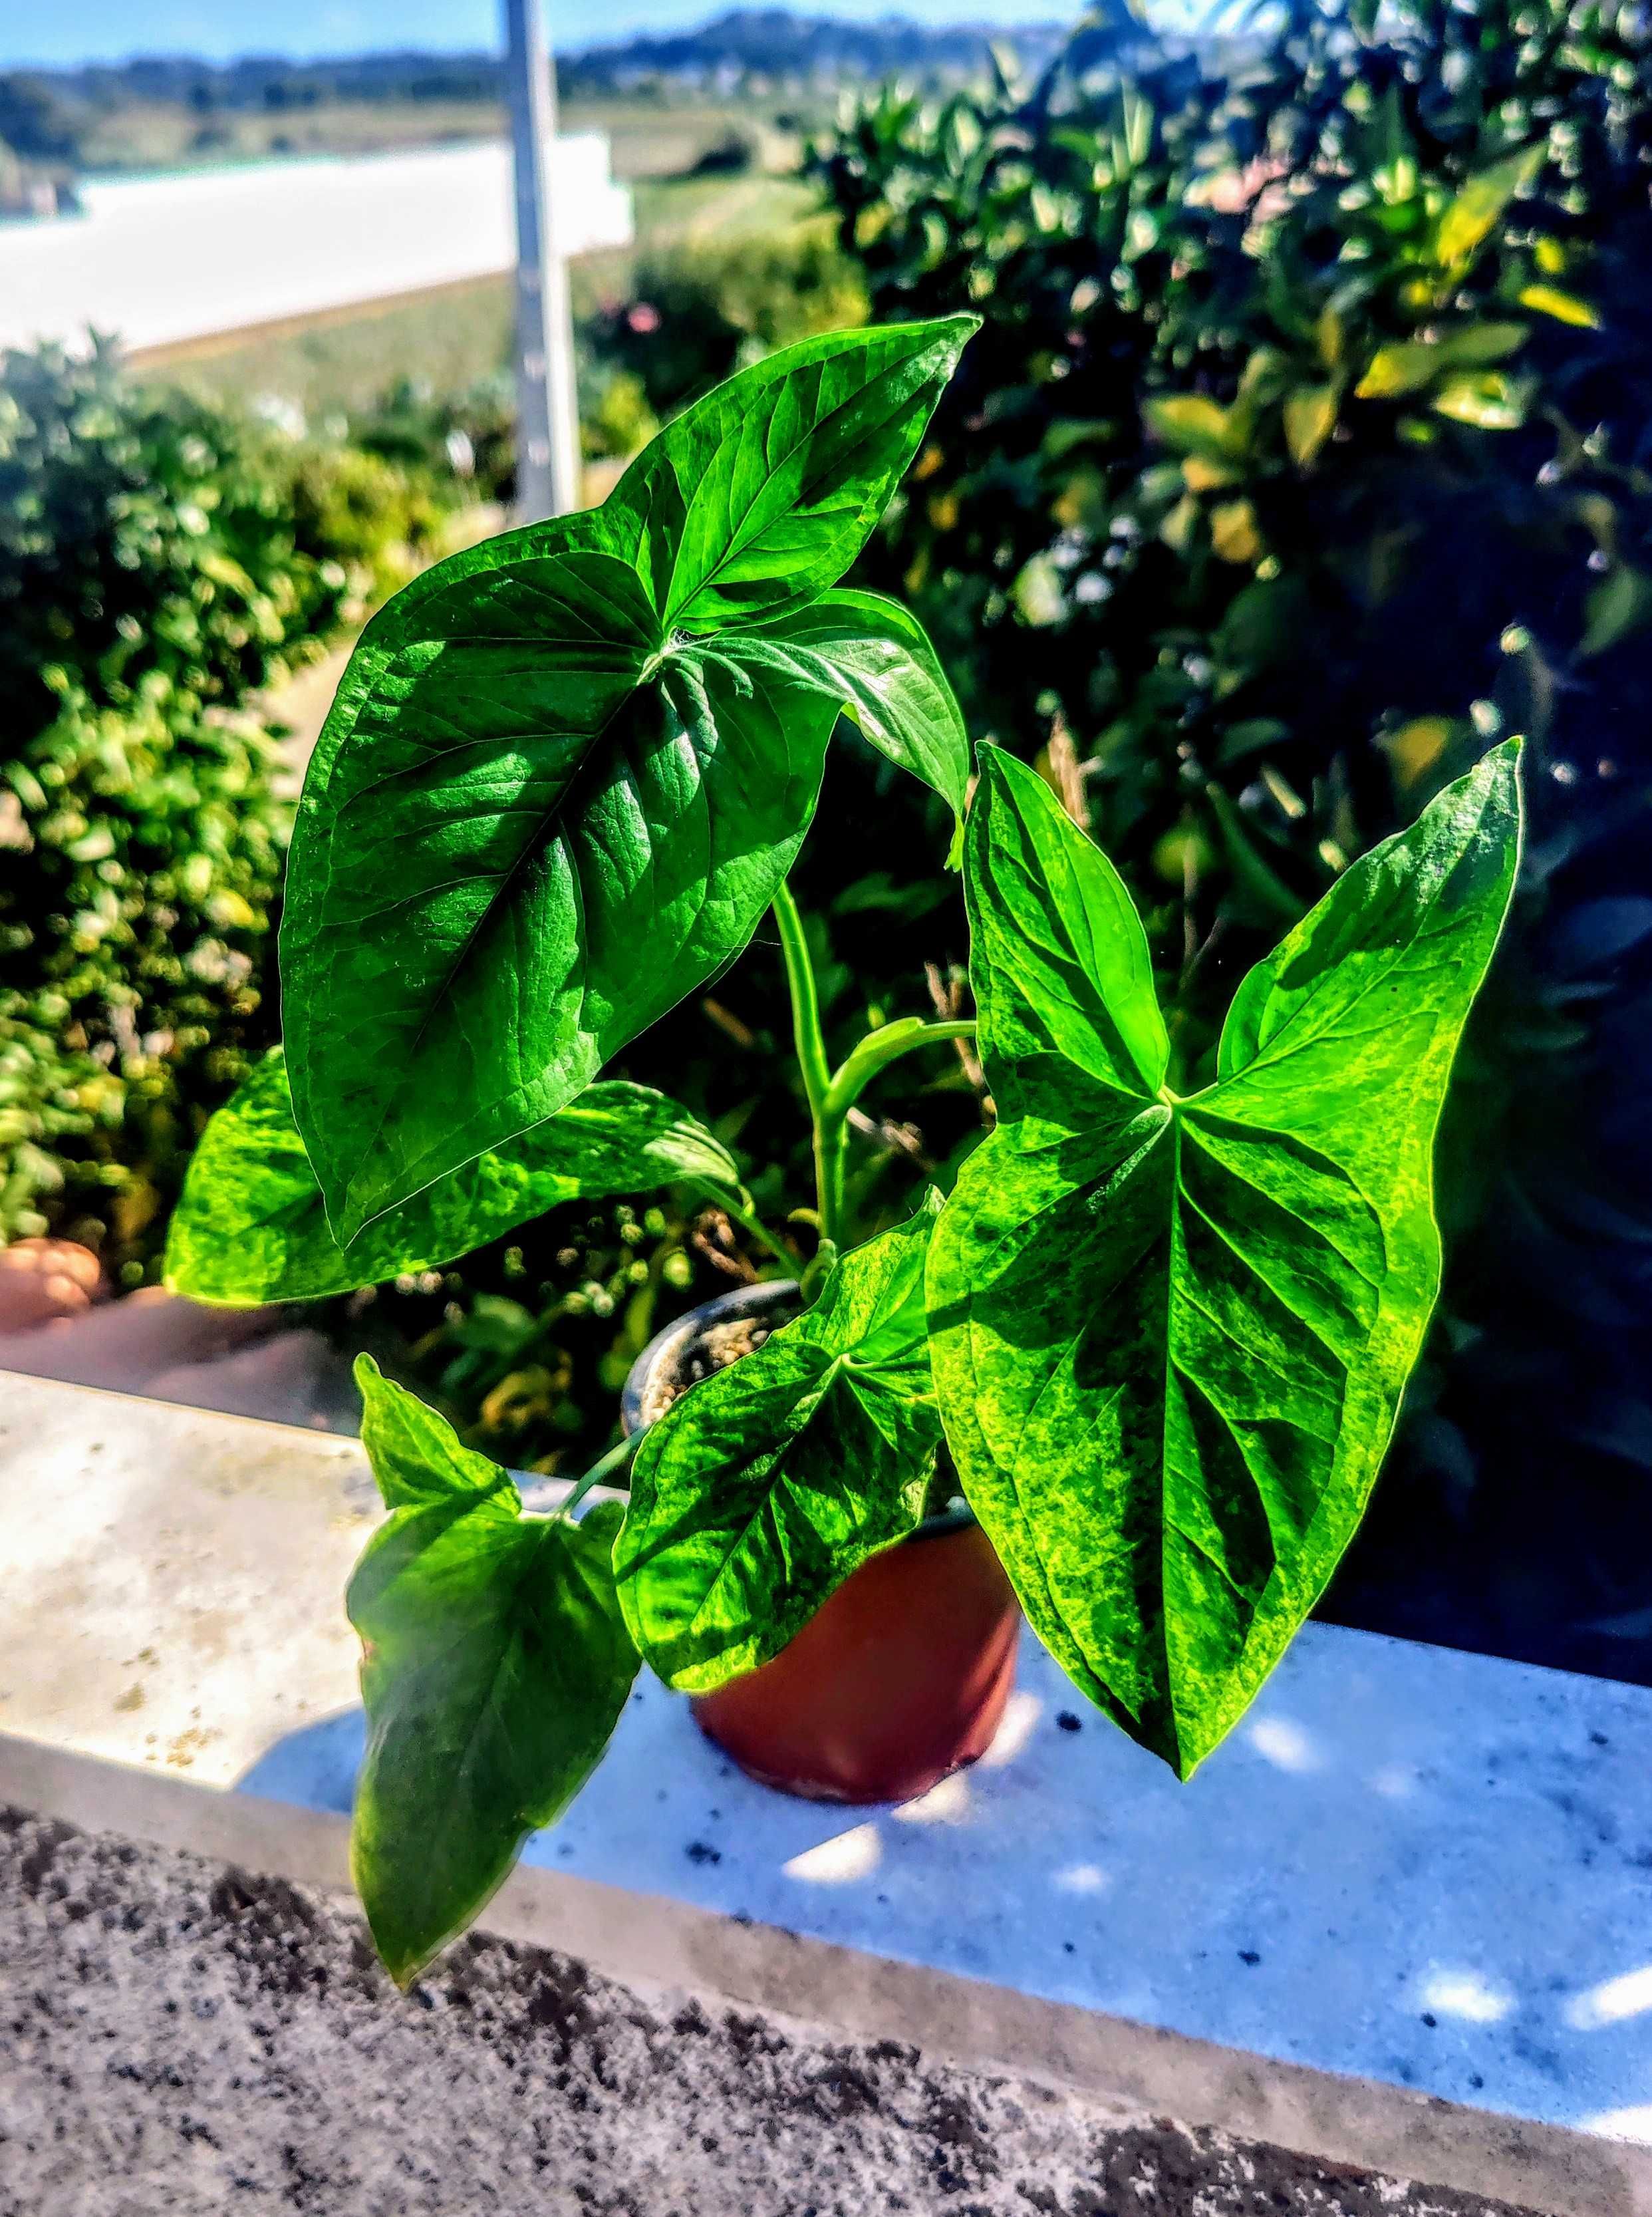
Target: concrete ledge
x: 187, y: 2036
x: 1129, y: 2075
x: 1402, y: 1923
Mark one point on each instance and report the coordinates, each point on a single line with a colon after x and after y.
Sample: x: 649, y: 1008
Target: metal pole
x: 547, y: 408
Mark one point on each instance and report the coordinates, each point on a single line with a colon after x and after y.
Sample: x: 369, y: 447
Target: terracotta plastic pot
x: 901, y: 1678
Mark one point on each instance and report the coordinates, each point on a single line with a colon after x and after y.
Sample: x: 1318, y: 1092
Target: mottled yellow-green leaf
x: 1192, y: 424
x: 1405, y: 367
x: 765, y: 1485
x: 1201, y: 474
x: 1473, y: 346
x: 1409, y: 365
x: 1416, y: 747
x: 1169, y: 1335
x: 1040, y: 599
x: 1179, y: 526
x: 1234, y: 533
x: 1485, y: 400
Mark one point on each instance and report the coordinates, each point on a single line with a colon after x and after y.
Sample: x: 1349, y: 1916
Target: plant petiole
x: 829, y: 1135
x: 617, y: 1459
x: 886, y: 1044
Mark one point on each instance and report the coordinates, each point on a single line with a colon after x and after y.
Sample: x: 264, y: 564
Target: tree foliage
x: 159, y: 560
x: 1308, y: 429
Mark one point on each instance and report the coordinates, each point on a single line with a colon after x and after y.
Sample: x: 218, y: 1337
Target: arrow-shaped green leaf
x: 758, y: 1492
x: 867, y: 659
x: 249, y: 1226
x: 1170, y: 1335
x: 540, y: 812
x: 496, y: 1667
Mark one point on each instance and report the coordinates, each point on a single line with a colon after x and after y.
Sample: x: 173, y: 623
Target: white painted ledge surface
x: 1427, y: 1870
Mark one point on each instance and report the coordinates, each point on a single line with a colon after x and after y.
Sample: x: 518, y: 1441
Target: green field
x: 657, y: 137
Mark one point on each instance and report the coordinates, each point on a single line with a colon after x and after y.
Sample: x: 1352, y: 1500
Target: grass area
x: 449, y: 336
x: 167, y: 135
x: 649, y: 138
x: 660, y: 138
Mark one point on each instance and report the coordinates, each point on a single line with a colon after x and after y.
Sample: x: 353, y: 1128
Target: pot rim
x: 748, y: 1300
x: 739, y: 1301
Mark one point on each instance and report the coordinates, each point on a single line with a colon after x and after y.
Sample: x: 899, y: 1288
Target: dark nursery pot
x: 903, y: 1676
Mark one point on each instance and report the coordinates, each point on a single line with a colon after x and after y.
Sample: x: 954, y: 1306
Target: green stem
x: 829, y: 1135
x: 880, y: 1048
x: 617, y: 1458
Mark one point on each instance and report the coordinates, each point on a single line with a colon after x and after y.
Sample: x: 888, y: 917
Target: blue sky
x: 108, y: 30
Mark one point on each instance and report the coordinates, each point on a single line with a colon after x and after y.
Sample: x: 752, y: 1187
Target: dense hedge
x: 159, y: 560
x: 1307, y: 447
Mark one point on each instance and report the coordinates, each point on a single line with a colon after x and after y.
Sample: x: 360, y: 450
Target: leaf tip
x: 404, y: 1965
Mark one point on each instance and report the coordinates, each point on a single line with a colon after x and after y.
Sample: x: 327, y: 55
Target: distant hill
x: 769, y: 42
x: 774, y: 43
x: 158, y: 112
x: 271, y: 82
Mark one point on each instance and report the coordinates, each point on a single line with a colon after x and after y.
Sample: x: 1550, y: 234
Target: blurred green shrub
x: 450, y: 445
x: 730, y: 155
x: 139, y: 852
x: 1306, y: 447
x: 615, y: 418
x: 143, y: 534
x: 159, y: 560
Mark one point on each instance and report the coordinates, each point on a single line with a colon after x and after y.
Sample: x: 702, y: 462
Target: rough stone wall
x: 178, y: 2038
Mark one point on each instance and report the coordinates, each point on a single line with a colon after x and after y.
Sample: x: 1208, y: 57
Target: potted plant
x: 1162, y: 1328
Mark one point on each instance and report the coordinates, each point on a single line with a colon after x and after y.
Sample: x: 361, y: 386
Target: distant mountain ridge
x: 773, y: 42
x: 778, y: 42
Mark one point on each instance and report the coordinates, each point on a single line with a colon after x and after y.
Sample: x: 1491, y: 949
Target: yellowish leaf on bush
x: 1178, y: 527
x: 1202, y: 475
x: 1233, y: 531
x: 230, y: 911
x: 1415, y: 747
x: 1310, y: 419
x: 1192, y: 424
x: 1037, y: 593
x: 1397, y: 369
x: 1487, y: 401
x: 1564, y: 307
x: 1466, y: 222
x: 1474, y: 346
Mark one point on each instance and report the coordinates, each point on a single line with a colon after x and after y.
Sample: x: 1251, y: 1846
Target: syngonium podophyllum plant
x: 1164, y: 1334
